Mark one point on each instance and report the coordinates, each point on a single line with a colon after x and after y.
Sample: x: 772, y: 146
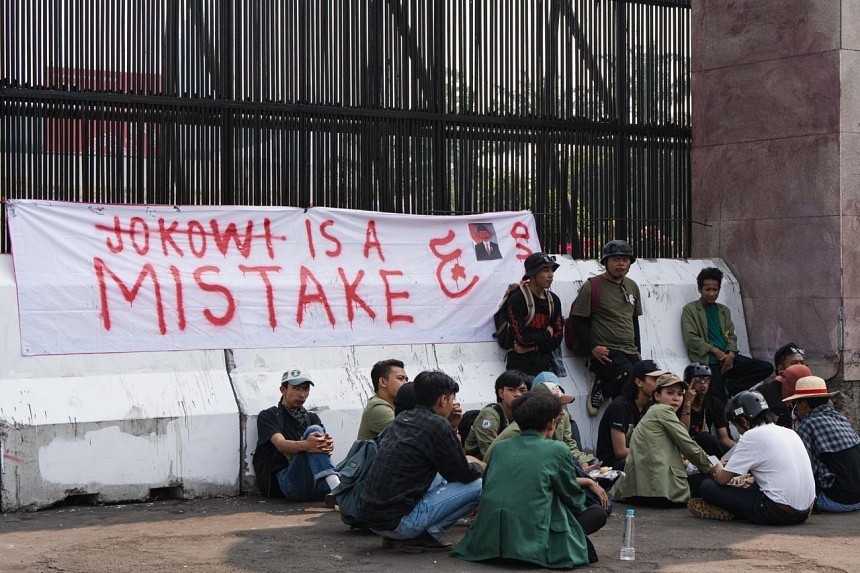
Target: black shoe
x: 425, y: 543
x: 595, y: 397
x: 388, y: 543
x: 330, y: 500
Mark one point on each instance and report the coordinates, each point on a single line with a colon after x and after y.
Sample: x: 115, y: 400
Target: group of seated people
x: 668, y: 437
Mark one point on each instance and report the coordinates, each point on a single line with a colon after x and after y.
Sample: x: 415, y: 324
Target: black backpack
x: 469, y: 417
x: 503, y: 334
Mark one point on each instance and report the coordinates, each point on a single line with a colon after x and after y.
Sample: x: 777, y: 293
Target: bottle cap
x: 629, y: 512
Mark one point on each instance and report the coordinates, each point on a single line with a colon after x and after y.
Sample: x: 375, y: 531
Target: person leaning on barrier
x: 710, y: 338
x: 610, y: 335
x: 293, y: 455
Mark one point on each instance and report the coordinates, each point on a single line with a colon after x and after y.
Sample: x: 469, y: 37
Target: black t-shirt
x: 712, y: 414
x: 621, y: 414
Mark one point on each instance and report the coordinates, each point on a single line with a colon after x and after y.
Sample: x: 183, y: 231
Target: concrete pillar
x: 776, y: 170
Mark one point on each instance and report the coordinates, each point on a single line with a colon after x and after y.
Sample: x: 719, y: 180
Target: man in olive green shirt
x: 387, y: 377
x: 510, y: 385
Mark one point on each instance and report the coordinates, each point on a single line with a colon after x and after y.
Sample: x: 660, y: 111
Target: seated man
x: 786, y: 357
x: 532, y: 508
x: 387, y: 377
x: 832, y: 444
x: 421, y: 481
x: 583, y: 463
x: 623, y: 413
x: 709, y: 335
x: 510, y: 385
x: 700, y: 411
x: 293, y: 455
x: 784, y: 488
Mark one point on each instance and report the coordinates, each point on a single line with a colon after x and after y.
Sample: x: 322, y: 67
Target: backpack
x: 353, y: 472
x: 503, y: 334
x: 469, y: 417
x: 570, y: 339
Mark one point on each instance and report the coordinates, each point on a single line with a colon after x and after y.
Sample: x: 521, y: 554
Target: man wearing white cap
x: 293, y: 455
x: 832, y: 444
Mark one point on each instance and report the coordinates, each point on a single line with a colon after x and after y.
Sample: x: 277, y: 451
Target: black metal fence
x: 577, y: 110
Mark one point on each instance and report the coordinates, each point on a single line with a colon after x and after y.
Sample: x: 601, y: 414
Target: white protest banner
x: 121, y: 278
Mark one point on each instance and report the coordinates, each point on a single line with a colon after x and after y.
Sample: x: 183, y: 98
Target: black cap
x: 645, y: 368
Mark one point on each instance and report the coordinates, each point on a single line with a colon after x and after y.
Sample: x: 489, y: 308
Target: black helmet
x: 695, y: 370
x: 617, y: 247
x: 748, y: 404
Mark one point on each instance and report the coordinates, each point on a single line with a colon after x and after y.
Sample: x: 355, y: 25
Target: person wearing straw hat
x: 832, y: 444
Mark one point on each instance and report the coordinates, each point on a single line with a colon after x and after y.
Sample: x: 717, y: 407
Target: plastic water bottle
x: 628, y: 552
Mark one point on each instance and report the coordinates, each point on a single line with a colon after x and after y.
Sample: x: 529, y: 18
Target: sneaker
x: 425, y: 543
x: 704, y: 510
x: 595, y: 397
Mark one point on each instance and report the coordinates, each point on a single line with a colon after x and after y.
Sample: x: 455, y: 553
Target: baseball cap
x: 295, y: 377
x: 645, y: 368
x: 669, y: 379
x: 548, y: 382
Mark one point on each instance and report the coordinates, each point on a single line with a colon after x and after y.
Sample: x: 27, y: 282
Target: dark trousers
x: 531, y: 363
x: 613, y: 375
x: 746, y: 372
x: 750, y: 503
x: 591, y: 519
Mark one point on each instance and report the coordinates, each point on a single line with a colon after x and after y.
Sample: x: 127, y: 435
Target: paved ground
x: 244, y: 535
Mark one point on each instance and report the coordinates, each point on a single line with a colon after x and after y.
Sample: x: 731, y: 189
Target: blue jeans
x: 749, y: 503
x: 304, y: 478
x: 438, y: 509
x: 827, y: 505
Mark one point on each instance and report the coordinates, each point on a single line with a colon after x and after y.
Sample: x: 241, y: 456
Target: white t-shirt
x: 777, y: 459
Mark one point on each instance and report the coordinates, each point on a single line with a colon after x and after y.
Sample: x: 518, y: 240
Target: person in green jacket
x: 531, y: 506
x: 655, y: 474
x: 710, y: 338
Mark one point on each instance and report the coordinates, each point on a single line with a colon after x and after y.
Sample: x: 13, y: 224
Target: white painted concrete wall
x: 119, y: 425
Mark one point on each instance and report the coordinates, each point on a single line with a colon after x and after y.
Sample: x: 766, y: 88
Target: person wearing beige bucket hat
x: 832, y: 444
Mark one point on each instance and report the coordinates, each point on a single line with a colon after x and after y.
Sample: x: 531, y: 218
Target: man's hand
x: 601, y: 354
x: 474, y: 460
x: 590, y: 468
x: 319, y: 444
x: 596, y: 489
x: 727, y: 361
x: 456, y: 415
x: 689, y: 397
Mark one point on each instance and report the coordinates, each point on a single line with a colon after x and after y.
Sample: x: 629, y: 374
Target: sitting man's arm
x: 619, y: 443
x: 316, y: 443
x: 564, y: 433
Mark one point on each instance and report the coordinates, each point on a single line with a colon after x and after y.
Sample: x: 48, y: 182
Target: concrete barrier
x: 116, y: 427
